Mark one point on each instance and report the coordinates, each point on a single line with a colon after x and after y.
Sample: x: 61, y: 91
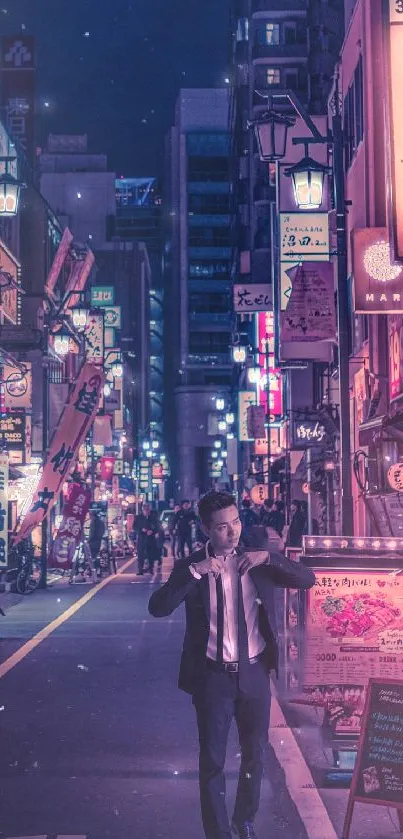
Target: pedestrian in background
x: 145, y: 528
x: 248, y: 516
x: 184, y: 519
x: 298, y: 525
x: 229, y: 650
x: 266, y: 513
x: 97, y: 530
x: 173, y: 531
x: 277, y: 517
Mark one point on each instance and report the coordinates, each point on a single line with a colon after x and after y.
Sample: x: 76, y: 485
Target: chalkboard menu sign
x: 378, y: 772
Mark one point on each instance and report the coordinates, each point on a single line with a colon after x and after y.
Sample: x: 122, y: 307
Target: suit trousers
x: 218, y: 701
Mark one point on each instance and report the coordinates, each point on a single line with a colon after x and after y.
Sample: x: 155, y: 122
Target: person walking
x: 173, y: 532
x: 229, y: 650
x: 278, y: 517
x: 145, y: 527
x: 184, y: 520
x: 97, y: 530
x: 248, y: 516
x: 298, y: 525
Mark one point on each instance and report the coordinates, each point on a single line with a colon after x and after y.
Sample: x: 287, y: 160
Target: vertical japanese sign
x: 94, y: 338
x: 10, y: 273
x: 265, y: 335
x: 58, y: 261
x: 74, y: 424
x: 3, y: 510
x: 394, y: 48
x: 395, y: 356
x: 311, y: 312
x: 245, y: 399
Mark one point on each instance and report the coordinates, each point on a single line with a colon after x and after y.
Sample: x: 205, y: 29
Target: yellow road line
x: 300, y: 783
x: 44, y: 633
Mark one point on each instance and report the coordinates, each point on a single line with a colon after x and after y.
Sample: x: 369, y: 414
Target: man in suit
x: 229, y: 649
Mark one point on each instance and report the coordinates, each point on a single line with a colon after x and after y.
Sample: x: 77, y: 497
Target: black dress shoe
x: 244, y: 831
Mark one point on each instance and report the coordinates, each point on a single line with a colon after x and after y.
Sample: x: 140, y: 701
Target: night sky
x: 113, y: 68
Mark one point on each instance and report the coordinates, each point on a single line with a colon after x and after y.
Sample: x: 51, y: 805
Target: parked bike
x: 28, y: 568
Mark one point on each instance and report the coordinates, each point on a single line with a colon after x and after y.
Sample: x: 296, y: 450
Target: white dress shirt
x: 229, y: 576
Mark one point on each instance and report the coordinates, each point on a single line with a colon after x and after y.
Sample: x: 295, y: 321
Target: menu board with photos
x: 378, y: 771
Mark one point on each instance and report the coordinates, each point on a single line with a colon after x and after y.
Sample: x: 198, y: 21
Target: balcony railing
x: 279, y: 6
x: 280, y: 51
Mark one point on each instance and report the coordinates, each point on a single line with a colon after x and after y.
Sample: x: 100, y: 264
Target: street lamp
x: 272, y: 141
x: 307, y: 180
x: 230, y: 418
x: 117, y: 369
x: 222, y: 425
x: 271, y: 131
x: 79, y: 317
x: 239, y: 354
x: 62, y: 343
x: 10, y: 189
x: 220, y: 403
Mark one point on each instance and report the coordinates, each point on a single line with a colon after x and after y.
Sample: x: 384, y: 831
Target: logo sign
x: 74, y: 424
x: 10, y: 270
x: 102, y: 295
x: 307, y: 432
x: 113, y: 316
x: 3, y: 510
x: 12, y: 431
x: 252, y: 298
x: 395, y: 476
x: 18, y: 386
x: 378, y: 283
x: 394, y: 47
x: 304, y: 236
x: 395, y: 356
x: 245, y: 399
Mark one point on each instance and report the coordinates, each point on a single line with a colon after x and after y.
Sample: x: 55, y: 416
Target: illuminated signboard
x: 378, y: 282
x: 265, y: 332
x: 393, y: 26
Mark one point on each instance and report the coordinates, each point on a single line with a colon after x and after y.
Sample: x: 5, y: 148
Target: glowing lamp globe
x: 271, y: 131
x: 10, y: 189
x: 307, y: 180
x: 378, y: 265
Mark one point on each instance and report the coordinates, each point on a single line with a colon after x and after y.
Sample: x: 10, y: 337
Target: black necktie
x: 220, y: 619
x: 243, y: 646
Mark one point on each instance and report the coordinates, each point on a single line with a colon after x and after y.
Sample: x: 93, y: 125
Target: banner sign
x: 256, y: 422
x: 10, y: 271
x: 107, y: 467
x: 311, y: 313
x: 18, y: 386
x: 102, y: 295
x: 94, y: 338
x: 12, y: 431
x: 265, y: 339
x: 252, y: 298
x: 245, y: 399
x: 378, y: 284
x: 378, y: 769
x: 74, y: 423
x: 354, y: 628
x: 304, y: 236
x: 58, y: 261
x: 70, y: 531
x: 3, y: 510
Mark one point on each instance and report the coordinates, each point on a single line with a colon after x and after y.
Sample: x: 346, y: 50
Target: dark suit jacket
x: 182, y: 586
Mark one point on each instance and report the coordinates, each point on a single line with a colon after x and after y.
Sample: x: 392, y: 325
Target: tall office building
x: 197, y: 261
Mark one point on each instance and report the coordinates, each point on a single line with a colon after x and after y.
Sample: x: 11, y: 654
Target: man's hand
x: 251, y: 559
x: 210, y: 565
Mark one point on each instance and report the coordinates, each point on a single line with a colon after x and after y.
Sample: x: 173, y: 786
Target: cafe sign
x: 307, y: 432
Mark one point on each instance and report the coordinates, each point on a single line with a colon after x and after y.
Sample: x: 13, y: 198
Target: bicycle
x: 29, y: 569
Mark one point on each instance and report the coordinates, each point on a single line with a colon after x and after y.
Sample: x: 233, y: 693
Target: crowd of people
x: 186, y: 532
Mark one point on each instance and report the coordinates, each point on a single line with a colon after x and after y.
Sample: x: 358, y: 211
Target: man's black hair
x: 213, y: 501
x: 246, y: 503
x: 185, y: 501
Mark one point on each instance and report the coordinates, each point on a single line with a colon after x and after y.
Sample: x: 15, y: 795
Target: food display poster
x: 353, y: 632
x: 378, y: 771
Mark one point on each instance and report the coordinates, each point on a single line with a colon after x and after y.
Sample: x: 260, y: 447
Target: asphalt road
x: 96, y: 741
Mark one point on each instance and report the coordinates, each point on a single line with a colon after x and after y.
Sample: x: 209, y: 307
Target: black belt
x: 230, y: 666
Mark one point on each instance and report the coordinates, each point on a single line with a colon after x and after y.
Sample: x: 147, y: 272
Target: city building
x: 197, y: 255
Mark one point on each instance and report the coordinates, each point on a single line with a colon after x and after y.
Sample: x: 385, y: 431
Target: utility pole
x: 45, y: 435
x: 267, y: 364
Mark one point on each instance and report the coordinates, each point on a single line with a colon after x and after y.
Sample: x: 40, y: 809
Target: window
x: 206, y: 204
x: 242, y: 30
x: 207, y: 270
x: 209, y: 342
x: 291, y: 79
x: 208, y: 303
x: 290, y: 33
x: 209, y: 237
x: 272, y: 75
x: 272, y: 34
x: 354, y: 115
x: 202, y: 168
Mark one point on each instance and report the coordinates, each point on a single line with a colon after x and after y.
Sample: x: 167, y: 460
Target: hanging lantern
x: 10, y: 189
x: 271, y: 131
x: 307, y: 179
